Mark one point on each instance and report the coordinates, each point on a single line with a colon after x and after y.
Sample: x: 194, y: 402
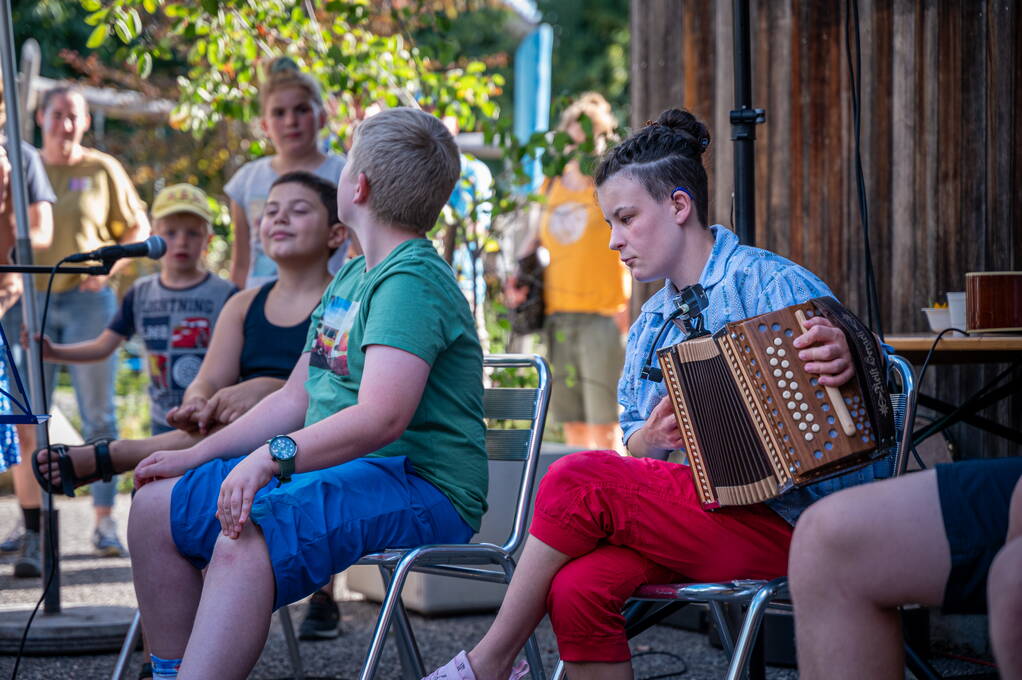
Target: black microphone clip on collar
x: 689, y: 304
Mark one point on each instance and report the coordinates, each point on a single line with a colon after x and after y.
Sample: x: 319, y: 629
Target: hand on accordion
x: 824, y: 350
x: 661, y: 428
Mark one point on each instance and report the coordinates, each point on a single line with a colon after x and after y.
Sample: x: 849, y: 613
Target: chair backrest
x: 904, y: 403
x: 527, y: 406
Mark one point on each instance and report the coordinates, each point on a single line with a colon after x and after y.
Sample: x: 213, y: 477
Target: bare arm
x: 392, y: 384
x: 241, y: 252
x: 221, y: 365
x: 40, y: 220
x: 281, y: 412
x: 82, y: 352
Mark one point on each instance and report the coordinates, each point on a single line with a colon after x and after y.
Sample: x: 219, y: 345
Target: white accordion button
x: 773, y: 361
x: 804, y: 406
x: 777, y: 373
x: 798, y: 396
x: 770, y: 350
x: 791, y: 405
x: 797, y: 416
x: 781, y: 352
x: 809, y: 417
x: 785, y: 363
x: 789, y: 375
x: 777, y: 341
x: 816, y: 427
x: 802, y: 426
x: 809, y: 436
x: 786, y: 394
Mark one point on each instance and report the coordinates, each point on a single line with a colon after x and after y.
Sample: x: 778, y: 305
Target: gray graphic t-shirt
x: 176, y: 326
x: 249, y: 188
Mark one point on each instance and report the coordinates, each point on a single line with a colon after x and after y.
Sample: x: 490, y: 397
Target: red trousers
x: 630, y: 521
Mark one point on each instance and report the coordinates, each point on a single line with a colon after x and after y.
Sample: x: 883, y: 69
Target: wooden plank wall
x: 941, y: 88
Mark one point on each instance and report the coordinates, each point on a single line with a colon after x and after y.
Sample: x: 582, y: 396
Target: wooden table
x: 987, y: 348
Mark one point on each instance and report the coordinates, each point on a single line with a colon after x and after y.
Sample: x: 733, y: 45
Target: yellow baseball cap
x: 179, y: 198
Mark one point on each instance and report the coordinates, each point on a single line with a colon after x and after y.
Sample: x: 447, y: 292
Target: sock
x: 31, y: 516
x: 164, y: 669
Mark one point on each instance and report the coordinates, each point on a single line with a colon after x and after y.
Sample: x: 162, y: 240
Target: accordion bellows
x: 755, y: 424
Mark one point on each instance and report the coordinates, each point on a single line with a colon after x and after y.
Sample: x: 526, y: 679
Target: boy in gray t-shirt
x: 174, y: 311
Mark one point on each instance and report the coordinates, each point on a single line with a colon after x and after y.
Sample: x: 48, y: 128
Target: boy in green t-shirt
x: 376, y: 440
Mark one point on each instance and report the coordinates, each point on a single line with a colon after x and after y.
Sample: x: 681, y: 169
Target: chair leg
x: 130, y: 642
x: 407, y: 648
x: 394, y: 583
x: 727, y: 639
x: 284, y: 616
x: 750, y: 629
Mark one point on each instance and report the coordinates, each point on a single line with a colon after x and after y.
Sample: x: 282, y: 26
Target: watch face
x: 283, y: 448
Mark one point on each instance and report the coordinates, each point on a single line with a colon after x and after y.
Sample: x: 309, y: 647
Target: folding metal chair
x: 652, y: 603
x: 526, y: 406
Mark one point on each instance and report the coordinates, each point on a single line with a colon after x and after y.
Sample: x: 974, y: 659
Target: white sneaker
x: 105, y: 541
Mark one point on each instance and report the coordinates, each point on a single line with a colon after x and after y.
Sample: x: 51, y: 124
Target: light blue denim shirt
x: 740, y: 282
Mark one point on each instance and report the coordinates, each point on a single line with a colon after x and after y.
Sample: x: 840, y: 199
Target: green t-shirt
x: 410, y: 301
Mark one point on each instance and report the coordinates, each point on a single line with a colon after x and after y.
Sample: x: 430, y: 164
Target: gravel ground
x: 660, y: 652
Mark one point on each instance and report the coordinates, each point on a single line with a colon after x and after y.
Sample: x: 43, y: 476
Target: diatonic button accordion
x: 756, y: 424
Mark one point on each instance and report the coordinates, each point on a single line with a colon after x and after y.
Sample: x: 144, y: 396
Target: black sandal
x: 69, y: 481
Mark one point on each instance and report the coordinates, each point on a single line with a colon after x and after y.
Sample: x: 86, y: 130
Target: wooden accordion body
x: 755, y: 424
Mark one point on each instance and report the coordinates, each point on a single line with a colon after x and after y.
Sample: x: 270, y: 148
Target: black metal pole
x: 744, y: 119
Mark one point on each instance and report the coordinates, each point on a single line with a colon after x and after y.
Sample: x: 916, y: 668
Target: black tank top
x: 269, y: 350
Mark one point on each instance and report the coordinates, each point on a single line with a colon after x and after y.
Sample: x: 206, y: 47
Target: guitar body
x: 994, y: 302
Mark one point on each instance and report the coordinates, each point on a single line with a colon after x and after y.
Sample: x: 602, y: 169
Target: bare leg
x: 1005, y: 596
x: 234, y: 614
x: 125, y: 454
x: 25, y: 488
x: 523, y: 608
x: 855, y: 557
x: 594, y: 437
x: 168, y: 587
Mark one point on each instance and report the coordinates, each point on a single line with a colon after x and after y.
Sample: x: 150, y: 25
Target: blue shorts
x: 321, y: 522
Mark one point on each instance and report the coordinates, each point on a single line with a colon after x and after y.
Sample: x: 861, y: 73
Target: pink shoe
x: 459, y: 668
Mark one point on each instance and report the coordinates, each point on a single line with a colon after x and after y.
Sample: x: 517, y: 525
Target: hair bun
x: 687, y: 124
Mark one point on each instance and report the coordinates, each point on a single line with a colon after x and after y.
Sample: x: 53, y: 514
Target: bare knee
x: 1004, y: 586
x: 230, y: 551
x: 827, y: 540
x: 149, y: 520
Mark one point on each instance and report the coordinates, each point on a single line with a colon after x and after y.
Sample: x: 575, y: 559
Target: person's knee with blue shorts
x: 376, y: 441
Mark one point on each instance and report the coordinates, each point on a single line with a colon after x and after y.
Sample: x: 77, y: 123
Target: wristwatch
x: 283, y: 449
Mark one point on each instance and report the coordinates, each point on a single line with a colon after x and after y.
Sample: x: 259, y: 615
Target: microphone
x: 153, y: 247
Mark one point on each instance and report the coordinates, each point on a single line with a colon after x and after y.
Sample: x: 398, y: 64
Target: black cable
x: 50, y: 516
x: 671, y: 674
x: 855, y: 81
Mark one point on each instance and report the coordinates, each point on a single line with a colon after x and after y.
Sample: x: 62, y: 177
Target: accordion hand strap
x: 870, y: 367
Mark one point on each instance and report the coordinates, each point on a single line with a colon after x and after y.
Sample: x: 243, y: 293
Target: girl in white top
x: 292, y: 116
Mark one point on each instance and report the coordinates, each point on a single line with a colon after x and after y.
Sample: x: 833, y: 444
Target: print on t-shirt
x: 568, y: 222
x: 330, y: 351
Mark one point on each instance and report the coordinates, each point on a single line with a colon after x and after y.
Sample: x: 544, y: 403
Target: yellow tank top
x: 584, y: 274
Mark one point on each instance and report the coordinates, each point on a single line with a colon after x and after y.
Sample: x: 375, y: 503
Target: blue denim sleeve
x: 630, y: 419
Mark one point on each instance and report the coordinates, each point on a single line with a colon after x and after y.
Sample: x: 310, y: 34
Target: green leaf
x: 136, y: 22
x: 211, y: 7
x: 145, y: 65
x: 97, y: 36
x: 122, y: 30
x: 91, y: 5
x: 150, y: 6
x: 96, y: 17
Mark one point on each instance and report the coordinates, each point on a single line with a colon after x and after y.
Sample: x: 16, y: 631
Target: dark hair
x: 59, y: 91
x: 665, y: 154
x: 327, y: 191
